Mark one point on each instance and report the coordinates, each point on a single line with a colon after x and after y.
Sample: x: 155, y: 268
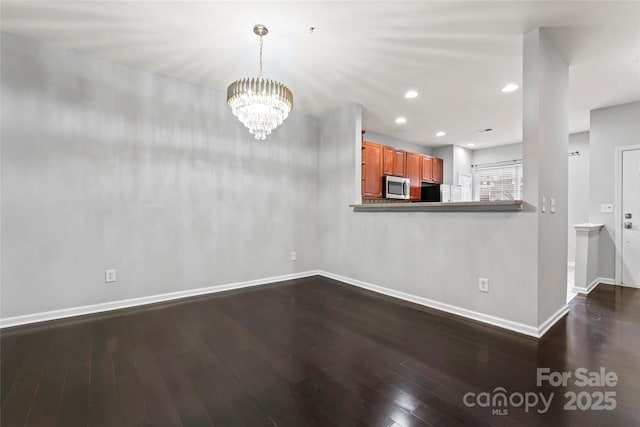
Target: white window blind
x: 498, y: 182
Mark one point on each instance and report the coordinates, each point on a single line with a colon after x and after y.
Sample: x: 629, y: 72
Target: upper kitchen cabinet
x: 437, y: 170
x: 427, y: 168
x: 432, y: 169
x: 372, y: 170
x: 394, y: 161
x: 413, y: 169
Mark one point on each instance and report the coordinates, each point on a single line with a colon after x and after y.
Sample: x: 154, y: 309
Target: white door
x: 631, y: 217
x: 464, y: 181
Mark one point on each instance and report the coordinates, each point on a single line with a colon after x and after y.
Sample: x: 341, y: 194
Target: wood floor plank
x: 13, y: 355
x: 48, y: 398
x: 190, y: 409
x: 18, y: 401
x: 75, y: 397
x: 209, y: 390
x: 161, y: 410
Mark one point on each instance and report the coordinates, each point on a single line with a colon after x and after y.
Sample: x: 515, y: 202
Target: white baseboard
x: 547, y: 324
x: 133, y: 302
x: 591, y: 286
x: 532, y: 331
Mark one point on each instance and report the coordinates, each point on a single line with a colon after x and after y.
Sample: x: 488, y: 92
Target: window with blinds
x: 498, y: 183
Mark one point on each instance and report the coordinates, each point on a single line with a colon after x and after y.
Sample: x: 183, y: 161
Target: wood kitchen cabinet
x: 388, y: 161
x: 372, y: 170
x: 394, y: 161
x: 437, y: 175
x: 413, y: 169
x: 400, y: 163
x: 427, y: 168
x: 432, y: 169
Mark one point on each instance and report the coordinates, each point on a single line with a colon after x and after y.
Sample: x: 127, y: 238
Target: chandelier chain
x: 260, y: 74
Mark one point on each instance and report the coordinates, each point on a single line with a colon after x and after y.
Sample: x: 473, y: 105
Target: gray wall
x: 435, y: 255
x: 578, y: 191
x: 501, y: 153
x: 610, y: 128
x: 108, y: 167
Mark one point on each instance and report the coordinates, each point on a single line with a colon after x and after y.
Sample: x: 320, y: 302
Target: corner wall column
x: 545, y: 145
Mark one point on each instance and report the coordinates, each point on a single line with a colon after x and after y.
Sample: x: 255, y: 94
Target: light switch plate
x: 553, y: 205
x: 543, y: 208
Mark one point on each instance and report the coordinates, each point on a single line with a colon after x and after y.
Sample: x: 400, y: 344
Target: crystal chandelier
x: 260, y: 104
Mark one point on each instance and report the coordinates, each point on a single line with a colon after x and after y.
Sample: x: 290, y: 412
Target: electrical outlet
x: 294, y: 256
x: 483, y: 284
x: 109, y: 276
x: 606, y: 208
x: 553, y: 205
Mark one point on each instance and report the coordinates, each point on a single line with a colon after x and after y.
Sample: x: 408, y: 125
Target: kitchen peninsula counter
x: 386, y: 206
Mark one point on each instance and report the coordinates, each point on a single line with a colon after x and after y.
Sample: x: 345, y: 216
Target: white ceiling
x: 457, y: 55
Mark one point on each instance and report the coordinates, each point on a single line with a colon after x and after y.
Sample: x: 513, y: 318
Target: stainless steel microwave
x: 395, y: 187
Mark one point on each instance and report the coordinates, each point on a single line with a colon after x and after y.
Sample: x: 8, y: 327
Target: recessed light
x: 441, y: 133
x: 471, y: 144
x: 401, y: 120
x: 411, y: 94
x: 510, y: 87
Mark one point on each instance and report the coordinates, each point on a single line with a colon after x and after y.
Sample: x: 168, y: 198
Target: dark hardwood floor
x: 314, y: 352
